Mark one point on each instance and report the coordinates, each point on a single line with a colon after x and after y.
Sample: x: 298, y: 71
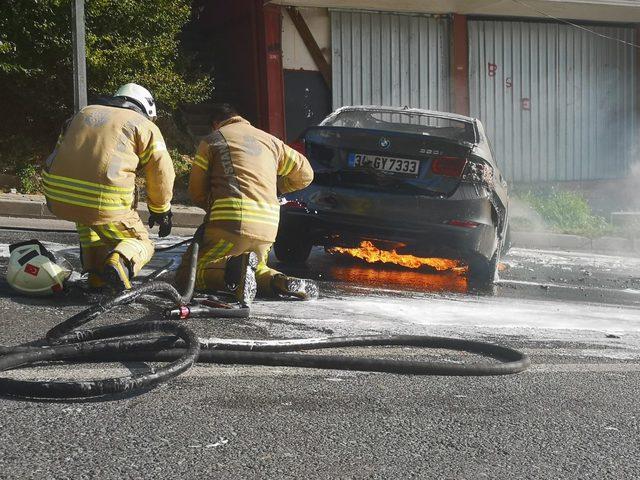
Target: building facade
x: 555, y: 82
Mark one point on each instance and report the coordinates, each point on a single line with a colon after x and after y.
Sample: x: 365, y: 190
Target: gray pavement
x: 574, y: 414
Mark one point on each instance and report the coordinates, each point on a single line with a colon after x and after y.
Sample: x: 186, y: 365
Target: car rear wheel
x: 292, y: 249
x: 506, y: 244
x: 483, y: 273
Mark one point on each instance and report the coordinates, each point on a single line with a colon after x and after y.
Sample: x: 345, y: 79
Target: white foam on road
x: 388, y: 310
x: 69, y: 253
x: 481, y: 312
x: 53, y: 247
x: 73, y: 251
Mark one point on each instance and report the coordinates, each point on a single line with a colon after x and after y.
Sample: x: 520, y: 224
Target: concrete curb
x: 63, y: 225
x: 34, y: 206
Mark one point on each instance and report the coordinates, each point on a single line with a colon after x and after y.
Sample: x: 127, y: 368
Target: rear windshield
x: 404, y: 122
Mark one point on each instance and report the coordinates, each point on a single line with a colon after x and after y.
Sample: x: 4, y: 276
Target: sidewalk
x: 34, y: 207
x: 576, y: 243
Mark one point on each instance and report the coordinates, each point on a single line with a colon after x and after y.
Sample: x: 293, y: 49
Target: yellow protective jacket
x: 90, y: 176
x: 237, y: 175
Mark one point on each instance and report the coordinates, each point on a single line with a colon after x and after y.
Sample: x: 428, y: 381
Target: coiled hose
x: 182, y: 349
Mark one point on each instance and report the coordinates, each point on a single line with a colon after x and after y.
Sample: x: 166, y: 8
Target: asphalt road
x: 573, y: 414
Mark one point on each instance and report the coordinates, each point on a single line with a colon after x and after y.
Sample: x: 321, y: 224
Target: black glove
x: 163, y: 220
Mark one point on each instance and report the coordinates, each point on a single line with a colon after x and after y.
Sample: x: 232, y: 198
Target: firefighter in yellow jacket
x: 90, y: 177
x: 237, y: 175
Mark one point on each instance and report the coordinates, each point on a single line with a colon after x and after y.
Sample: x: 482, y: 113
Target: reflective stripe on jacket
x: 90, y: 176
x: 237, y: 175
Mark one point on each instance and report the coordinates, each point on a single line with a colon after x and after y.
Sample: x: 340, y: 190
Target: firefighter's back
x: 244, y: 180
x: 90, y: 178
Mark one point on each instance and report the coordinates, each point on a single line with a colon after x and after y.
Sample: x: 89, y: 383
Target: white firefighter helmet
x: 33, y: 270
x: 139, y: 95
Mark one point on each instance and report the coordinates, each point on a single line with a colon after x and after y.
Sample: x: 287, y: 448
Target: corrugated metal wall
x: 389, y: 59
x: 558, y: 102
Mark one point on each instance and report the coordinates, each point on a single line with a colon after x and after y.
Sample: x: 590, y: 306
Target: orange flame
x: 406, y: 279
x: 370, y: 253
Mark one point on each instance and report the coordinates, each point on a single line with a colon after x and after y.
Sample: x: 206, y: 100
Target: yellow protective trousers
x: 217, y: 247
x: 128, y: 237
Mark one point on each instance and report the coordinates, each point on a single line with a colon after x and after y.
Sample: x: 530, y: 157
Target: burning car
x: 406, y: 181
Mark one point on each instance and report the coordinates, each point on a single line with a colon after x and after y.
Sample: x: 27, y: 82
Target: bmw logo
x: 385, y: 143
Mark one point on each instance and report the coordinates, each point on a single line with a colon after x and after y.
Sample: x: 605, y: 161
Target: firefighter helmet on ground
x: 33, y: 270
x: 139, y: 95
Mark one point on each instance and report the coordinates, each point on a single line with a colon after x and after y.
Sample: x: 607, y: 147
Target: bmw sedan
x: 416, y: 182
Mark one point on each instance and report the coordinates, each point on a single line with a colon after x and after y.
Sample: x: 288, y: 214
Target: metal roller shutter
x: 558, y: 102
x: 390, y: 59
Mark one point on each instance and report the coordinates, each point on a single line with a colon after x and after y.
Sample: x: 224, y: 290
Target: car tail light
x: 462, y: 223
x: 448, y: 166
x: 299, y: 146
x: 479, y: 172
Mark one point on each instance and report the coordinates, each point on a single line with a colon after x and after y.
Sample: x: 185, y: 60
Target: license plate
x: 385, y: 164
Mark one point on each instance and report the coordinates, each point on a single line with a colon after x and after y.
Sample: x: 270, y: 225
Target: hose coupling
x: 181, y: 313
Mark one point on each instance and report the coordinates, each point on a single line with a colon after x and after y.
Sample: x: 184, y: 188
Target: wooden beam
x: 311, y: 44
x: 460, y: 65
x: 271, y: 78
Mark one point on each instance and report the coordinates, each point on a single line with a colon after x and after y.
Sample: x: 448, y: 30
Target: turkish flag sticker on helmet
x: 31, y: 270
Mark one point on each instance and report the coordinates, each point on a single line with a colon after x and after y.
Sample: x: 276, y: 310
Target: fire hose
x: 180, y: 348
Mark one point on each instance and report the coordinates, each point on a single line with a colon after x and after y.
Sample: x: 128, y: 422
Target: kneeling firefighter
x: 90, y: 177
x: 237, y: 175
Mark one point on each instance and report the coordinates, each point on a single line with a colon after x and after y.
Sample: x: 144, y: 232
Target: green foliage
x: 127, y: 41
x: 566, y: 212
x: 35, y: 63
x: 175, y: 134
x: 18, y: 150
x: 29, y: 178
x: 134, y: 41
x: 181, y: 163
x: 182, y: 167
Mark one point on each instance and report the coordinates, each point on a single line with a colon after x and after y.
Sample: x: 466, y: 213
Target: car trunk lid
x: 361, y: 193
x: 386, y: 161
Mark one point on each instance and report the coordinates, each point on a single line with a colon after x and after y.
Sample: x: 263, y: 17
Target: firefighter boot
x: 116, y: 273
x: 96, y: 282
x: 299, y: 288
x: 240, y: 277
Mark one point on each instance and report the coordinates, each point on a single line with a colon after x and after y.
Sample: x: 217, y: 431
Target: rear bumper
x: 430, y: 240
